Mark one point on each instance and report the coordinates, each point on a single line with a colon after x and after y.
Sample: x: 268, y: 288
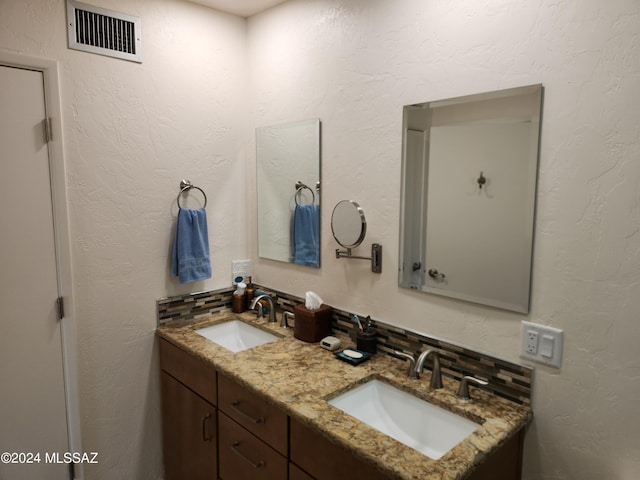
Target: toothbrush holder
x: 367, y: 341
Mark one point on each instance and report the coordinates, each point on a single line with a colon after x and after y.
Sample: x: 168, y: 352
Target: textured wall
x: 354, y: 64
x: 131, y: 133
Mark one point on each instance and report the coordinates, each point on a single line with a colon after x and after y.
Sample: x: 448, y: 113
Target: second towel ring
x: 185, y: 186
x: 301, y: 186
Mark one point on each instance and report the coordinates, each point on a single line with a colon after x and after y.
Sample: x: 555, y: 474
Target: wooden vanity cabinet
x: 323, y: 460
x: 505, y: 464
x: 254, y: 440
x: 189, y: 416
x: 315, y: 457
x: 215, y: 428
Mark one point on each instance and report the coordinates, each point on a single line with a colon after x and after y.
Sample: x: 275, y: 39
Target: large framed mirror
x: 288, y: 183
x: 469, y: 174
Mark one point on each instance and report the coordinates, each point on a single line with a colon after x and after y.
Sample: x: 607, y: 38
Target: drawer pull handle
x: 234, y: 447
x: 236, y: 406
x: 205, y: 436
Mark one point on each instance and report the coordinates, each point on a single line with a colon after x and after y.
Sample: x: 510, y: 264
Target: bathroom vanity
x: 263, y: 413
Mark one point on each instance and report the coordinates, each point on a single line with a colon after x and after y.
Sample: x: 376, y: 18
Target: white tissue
x: 312, y: 301
x: 240, y: 290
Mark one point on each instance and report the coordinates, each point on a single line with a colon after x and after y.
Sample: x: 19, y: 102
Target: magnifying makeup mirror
x: 349, y: 227
x: 348, y: 224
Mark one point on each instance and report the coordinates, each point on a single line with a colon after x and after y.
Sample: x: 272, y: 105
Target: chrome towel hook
x: 481, y: 180
x: 185, y: 186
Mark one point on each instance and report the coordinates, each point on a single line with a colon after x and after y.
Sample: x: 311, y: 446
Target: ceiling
x: 242, y: 8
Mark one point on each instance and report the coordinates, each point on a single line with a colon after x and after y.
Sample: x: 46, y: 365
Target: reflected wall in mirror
x: 288, y: 182
x: 469, y: 175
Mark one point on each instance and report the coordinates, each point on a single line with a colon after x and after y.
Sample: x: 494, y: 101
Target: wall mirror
x: 288, y: 183
x: 469, y: 173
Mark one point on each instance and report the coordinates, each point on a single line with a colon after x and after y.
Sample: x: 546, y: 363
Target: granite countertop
x: 299, y: 377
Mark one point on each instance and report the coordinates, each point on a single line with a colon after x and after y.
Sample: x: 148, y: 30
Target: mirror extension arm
x: 376, y: 256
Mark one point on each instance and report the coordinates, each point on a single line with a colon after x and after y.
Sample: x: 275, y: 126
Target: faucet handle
x: 463, y: 390
x: 286, y: 316
x: 412, y: 363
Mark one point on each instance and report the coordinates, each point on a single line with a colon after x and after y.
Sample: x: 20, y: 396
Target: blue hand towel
x: 306, y: 235
x: 190, y: 260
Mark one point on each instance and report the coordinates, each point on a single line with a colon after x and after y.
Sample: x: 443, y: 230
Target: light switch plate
x: 542, y: 344
x: 240, y: 270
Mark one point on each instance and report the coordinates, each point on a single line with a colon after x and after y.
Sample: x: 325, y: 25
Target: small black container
x: 367, y: 342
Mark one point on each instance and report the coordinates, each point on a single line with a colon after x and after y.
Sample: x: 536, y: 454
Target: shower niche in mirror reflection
x: 288, y: 184
x: 468, y: 196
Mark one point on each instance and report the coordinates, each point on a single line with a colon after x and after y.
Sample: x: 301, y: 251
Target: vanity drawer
x: 245, y: 457
x: 255, y: 414
x: 189, y: 370
x: 325, y: 460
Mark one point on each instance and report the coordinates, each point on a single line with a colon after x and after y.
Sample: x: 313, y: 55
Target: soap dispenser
x: 250, y: 290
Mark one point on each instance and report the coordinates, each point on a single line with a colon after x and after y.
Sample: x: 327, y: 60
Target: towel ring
x: 301, y: 186
x: 185, y: 186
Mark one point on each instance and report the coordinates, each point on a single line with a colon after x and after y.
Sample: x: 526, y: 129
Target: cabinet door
x: 325, y: 460
x: 189, y: 433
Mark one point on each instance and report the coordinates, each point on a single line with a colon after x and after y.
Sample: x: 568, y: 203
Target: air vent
x: 96, y: 30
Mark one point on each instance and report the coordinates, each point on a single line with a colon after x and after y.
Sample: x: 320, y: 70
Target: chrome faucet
x: 463, y: 390
x: 272, y: 308
x: 417, y: 366
x: 436, y: 374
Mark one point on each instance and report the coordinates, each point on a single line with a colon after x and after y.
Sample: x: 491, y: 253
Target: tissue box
x: 312, y: 325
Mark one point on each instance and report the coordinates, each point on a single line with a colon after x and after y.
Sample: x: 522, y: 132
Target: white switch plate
x: 240, y: 270
x: 542, y: 344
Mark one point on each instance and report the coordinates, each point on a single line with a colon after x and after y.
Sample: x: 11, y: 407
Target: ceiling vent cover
x: 96, y: 30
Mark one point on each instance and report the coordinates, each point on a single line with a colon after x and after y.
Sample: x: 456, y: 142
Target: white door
x: 33, y: 418
x: 415, y: 216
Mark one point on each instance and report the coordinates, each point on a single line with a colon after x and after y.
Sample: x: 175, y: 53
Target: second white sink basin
x: 420, y: 425
x: 236, y: 335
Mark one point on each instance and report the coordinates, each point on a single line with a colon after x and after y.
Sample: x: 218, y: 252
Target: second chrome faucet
x: 417, y: 366
x: 272, y: 308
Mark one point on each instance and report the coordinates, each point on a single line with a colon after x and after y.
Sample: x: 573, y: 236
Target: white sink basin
x: 420, y: 425
x: 236, y: 335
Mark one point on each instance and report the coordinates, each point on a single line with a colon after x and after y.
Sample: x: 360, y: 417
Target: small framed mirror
x: 348, y: 224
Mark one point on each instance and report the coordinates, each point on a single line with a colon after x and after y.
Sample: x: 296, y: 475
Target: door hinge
x: 48, y: 132
x: 60, y: 307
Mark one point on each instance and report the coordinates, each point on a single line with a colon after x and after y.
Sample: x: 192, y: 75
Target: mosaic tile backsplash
x: 193, y: 305
x: 506, y: 379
